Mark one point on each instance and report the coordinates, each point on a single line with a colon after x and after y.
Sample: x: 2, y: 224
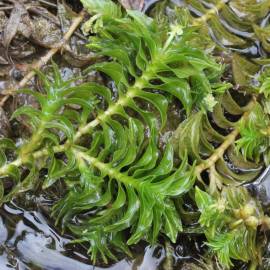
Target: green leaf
x: 225, y: 219
x: 58, y: 168
x: 104, y: 7
x: 173, y: 223
x: 7, y: 144
x: 203, y: 200
x: 63, y: 124
x: 126, y: 220
x: 13, y: 172
x: 27, y: 184
x: 112, y: 69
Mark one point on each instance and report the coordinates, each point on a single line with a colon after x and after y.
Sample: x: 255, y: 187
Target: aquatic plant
x: 119, y: 170
x: 230, y: 221
x: 232, y: 24
x: 103, y: 140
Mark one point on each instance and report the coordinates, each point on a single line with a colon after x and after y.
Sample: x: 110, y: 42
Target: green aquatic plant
x: 255, y: 136
x: 202, y: 137
x: 254, y: 142
x: 107, y: 152
x: 103, y: 140
x: 230, y: 221
x: 234, y: 23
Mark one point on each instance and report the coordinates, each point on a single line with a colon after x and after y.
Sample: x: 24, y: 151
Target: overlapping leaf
x: 130, y: 188
x: 255, y: 139
x: 200, y: 135
x: 118, y: 177
x: 232, y: 24
x: 230, y: 221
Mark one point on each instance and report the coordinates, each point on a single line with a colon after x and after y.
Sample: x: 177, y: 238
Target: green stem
x: 266, y: 131
x: 48, y: 112
x: 176, y: 30
x: 253, y: 265
x: 168, y: 263
x: 36, y: 155
x: 107, y: 169
x: 33, y: 144
x: 208, y: 15
x: 230, y: 139
x: 140, y: 83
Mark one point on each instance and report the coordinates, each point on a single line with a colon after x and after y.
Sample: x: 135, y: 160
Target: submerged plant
x: 108, y: 154
x: 230, y: 221
x: 232, y: 23
x: 255, y: 136
x: 103, y: 141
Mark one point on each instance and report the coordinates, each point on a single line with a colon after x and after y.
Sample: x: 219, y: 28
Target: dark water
x: 29, y: 241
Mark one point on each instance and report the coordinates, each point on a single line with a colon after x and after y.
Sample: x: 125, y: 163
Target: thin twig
x: 219, y: 152
x: 34, y: 10
x: 47, y: 3
x: 44, y: 59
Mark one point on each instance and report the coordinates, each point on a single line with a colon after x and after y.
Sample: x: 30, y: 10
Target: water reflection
x: 28, y: 242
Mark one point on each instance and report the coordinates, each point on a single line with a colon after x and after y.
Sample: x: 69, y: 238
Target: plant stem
x: 168, y: 264
x: 139, y: 84
x: 266, y: 132
x: 207, y: 16
x: 36, y: 155
x: 253, y: 265
x: 107, y: 169
x: 33, y: 144
x: 219, y: 152
x: 175, y: 31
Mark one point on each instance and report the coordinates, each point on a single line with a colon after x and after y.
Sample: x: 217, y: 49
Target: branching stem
x: 219, y: 152
x: 111, y: 172
x: 139, y: 84
x: 207, y: 16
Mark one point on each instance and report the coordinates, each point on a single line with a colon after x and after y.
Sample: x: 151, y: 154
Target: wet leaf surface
x: 243, y: 70
x: 27, y: 30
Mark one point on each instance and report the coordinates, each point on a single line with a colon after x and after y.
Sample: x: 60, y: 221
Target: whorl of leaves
x: 103, y: 141
x: 234, y: 23
x: 230, y: 221
x: 118, y: 179
x: 255, y: 136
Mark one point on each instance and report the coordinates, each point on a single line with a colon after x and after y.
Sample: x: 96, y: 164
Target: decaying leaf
x: 133, y: 4
x: 13, y: 23
x: 4, y: 124
x: 46, y: 33
x: 243, y: 70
